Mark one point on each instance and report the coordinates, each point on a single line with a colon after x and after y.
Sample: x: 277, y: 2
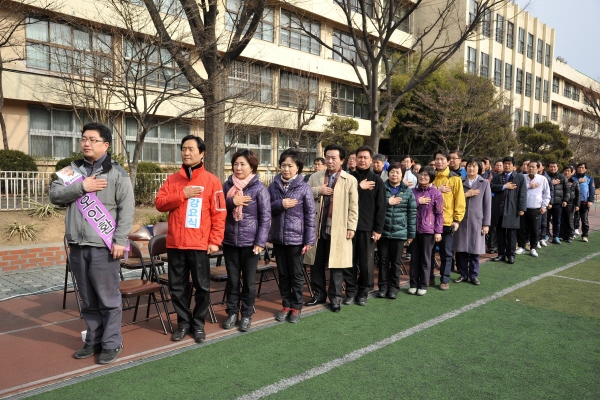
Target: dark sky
x: 577, y: 35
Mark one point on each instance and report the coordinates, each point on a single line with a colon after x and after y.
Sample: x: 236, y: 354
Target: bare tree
x: 365, y: 45
x: 591, y: 99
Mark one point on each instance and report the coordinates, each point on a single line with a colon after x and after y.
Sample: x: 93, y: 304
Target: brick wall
x: 31, y: 256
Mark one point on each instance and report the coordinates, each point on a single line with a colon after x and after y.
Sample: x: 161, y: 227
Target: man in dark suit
x: 508, y: 204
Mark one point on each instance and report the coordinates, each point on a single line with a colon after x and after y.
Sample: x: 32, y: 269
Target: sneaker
x: 543, y: 243
x: 294, y: 315
x: 88, y: 350
x: 231, y: 321
x: 412, y: 290
x: 577, y: 233
x: 475, y: 281
x: 444, y: 286
x: 520, y: 250
x: 245, y: 324
x: 109, y: 356
x: 283, y: 314
x: 556, y: 241
x: 584, y: 239
x: 533, y: 253
x: 539, y: 246
x: 421, y: 292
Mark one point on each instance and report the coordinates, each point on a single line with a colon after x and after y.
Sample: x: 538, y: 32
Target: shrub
x: 67, y: 161
x: 148, y: 168
x: 146, y: 183
x: 15, y: 160
x: 43, y: 211
x: 24, y: 231
x: 153, y: 219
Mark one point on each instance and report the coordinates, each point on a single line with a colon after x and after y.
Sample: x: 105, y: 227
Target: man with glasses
x: 454, y: 163
x: 100, y: 205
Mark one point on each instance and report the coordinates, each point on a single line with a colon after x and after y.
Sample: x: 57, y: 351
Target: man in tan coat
x: 336, y: 196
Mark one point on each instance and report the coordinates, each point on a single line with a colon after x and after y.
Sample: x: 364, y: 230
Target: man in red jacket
x: 196, y: 205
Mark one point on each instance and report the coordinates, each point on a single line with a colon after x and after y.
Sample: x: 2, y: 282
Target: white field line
x: 338, y: 362
x: 576, y: 279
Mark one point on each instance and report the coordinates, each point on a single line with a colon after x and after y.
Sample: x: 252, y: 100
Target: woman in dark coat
x: 246, y: 230
x: 292, y: 230
x: 469, y: 239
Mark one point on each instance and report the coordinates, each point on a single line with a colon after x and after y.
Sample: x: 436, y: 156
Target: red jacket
x: 170, y: 198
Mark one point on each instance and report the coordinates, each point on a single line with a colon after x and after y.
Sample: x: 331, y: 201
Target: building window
x: 161, y: 144
x: 485, y: 64
x: 540, y: 51
x: 510, y: 35
x: 529, y: 45
x: 264, y: 29
x: 519, y: 85
x: 544, y: 118
x: 401, y: 11
x: 527, y: 84
x: 52, y: 133
x: 349, y: 101
x: 521, y: 46
x: 497, y: 72
x: 250, y: 82
x: 526, y: 118
x: 472, y: 10
x: 508, y: 76
x: 517, y: 118
x: 499, y: 28
x: 538, y: 87
x: 486, y: 23
x: 63, y: 48
x: 355, y: 6
x: 566, y: 115
x: 555, y: 85
x: 298, y: 91
x: 567, y: 90
x: 293, y: 33
x: 261, y: 144
x: 575, y: 93
x: 548, y: 55
x: 146, y: 64
x: 554, y: 113
x: 343, y: 44
x: 536, y: 119
x: 307, y: 146
x: 546, y: 94
x: 471, y: 60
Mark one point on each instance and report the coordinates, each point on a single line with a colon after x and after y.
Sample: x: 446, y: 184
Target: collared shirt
x: 538, y: 197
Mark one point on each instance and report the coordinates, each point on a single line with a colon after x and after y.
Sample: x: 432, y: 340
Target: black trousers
x: 291, y: 278
x: 182, y: 263
x: 446, y: 255
x: 336, y: 280
x: 530, y: 222
x: 317, y: 270
x: 390, y: 260
x: 241, y: 263
x: 554, y: 219
x: 507, y: 240
x: 582, y: 215
x: 492, y: 239
x: 360, y: 278
x: 567, y: 226
x: 420, y: 260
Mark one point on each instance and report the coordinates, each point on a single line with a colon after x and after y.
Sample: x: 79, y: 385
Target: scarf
x: 286, y: 184
x: 238, y: 189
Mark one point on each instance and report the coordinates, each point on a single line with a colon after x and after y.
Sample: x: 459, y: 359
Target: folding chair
x: 269, y: 266
x: 73, y: 281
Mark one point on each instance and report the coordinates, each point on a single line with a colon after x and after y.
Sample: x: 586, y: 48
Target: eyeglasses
x: 454, y: 158
x: 92, y: 140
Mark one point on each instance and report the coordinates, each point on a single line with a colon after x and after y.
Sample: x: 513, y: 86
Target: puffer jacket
x: 117, y: 197
x: 430, y: 217
x: 574, y: 191
x: 170, y: 198
x: 253, y: 229
x: 561, y: 189
x: 400, y: 219
x: 296, y: 225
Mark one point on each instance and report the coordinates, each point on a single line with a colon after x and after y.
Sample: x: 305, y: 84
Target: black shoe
x: 179, y: 334
x: 336, y: 307
x: 245, y: 324
x: 231, y: 321
x: 88, y: 350
x: 461, y: 279
x: 109, y: 356
x: 362, y: 301
x: 475, y: 281
x: 313, y: 302
x: 492, y: 251
x: 382, y: 293
x: 498, y: 258
x: 392, y: 295
x: 199, y: 336
x: 511, y: 260
x: 348, y: 301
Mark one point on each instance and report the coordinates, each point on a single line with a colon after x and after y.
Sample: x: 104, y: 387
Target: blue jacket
x: 587, y: 189
x: 296, y: 225
x: 253, y: 229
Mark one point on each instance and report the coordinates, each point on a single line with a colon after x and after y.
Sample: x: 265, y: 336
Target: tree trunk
x: 214, y: 127
x: 137, y: 152
x: 2, y: 123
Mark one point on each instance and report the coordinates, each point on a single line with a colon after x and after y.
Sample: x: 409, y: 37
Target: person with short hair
x: 100, y: 205
x: 409, y: 178
x: 246, y: 231
x: 567, y: 227
x: 194, y: 199
x: 378, y: 164
x: 524, y: 164
x: 543, y: 233
x: 416, y: 168
x: 292, y: 231
x: 318, y: 165
x: 455, y: 163
x: 558, y: 202
x: 351, y: 164
x: 587, y: 189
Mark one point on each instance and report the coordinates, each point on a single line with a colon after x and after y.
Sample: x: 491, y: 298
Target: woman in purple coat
x: 292, y: 230
x: 430, y: 224
x: 246, y: 230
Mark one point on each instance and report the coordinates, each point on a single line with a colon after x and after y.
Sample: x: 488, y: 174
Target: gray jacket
x: 117, y: 197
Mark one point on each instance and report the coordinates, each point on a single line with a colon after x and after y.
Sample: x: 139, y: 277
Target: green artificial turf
x: 244, y: 363
x: 589, y: 272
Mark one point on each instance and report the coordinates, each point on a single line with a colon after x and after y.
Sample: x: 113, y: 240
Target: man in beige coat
x: 336, y: 196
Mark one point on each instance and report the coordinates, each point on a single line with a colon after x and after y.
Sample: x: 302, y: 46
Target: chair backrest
x: 142, y: 234
x: 160, y: 228
x: 157, y: 245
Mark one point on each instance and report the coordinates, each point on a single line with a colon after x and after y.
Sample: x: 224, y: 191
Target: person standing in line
x: 196, y: 205
x: 538, y: 197
x: 508, y: 205
x: 544, y: 217
x: 587, y: 190
x: 492, y: 238
x: 455, y: 163
x: 292, y: 231
x: 318, y: 165
x: 469, y: 240
x: 416, y: 168
x: 378, y: 163
x: 524, y: 170
x: 360, y: 279
x: 429, y: 227
x: 399, y: 227
x: 409, y: 178
x: 567, y: 228
x: 558, y: 202
x: 246, y: 231
x: 98, y: 220
x: 351, y: 164
x: 337, y: 218
x: 450, y: 184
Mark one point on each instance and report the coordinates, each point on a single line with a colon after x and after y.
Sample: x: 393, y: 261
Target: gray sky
x: 576, y: 25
